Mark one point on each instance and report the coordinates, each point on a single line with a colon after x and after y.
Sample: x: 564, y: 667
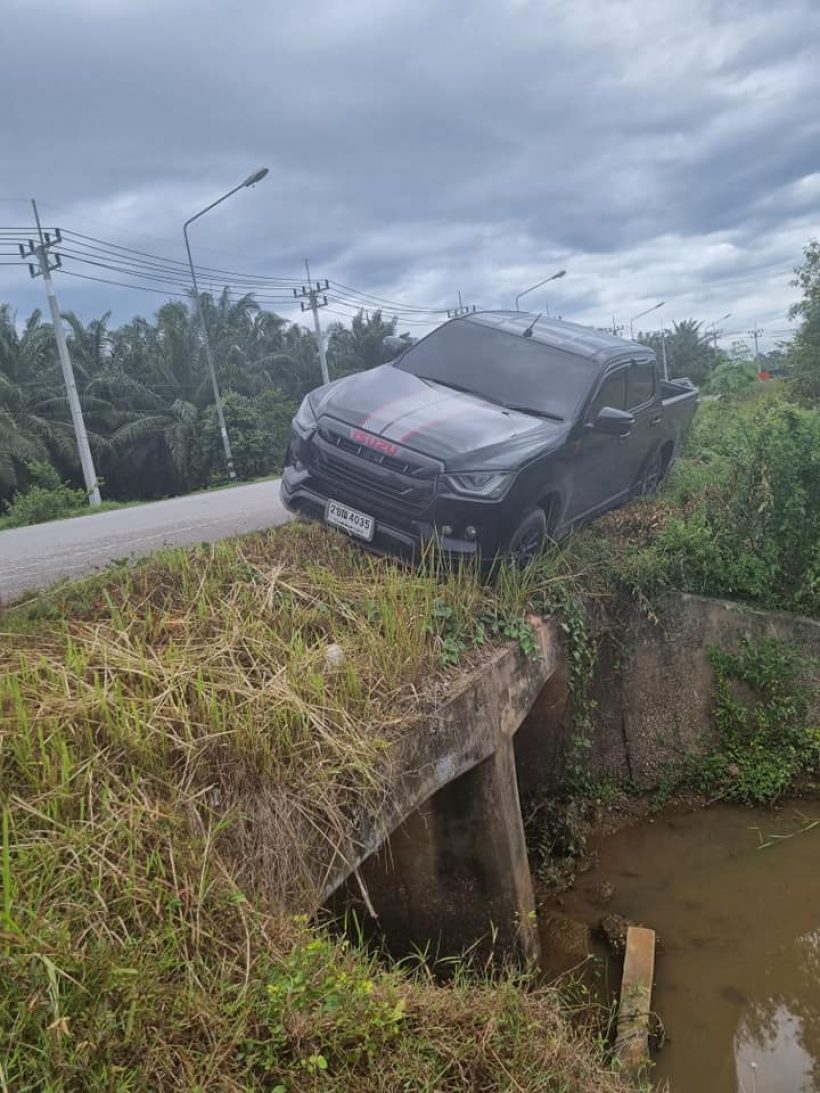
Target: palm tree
x: 361, y: 345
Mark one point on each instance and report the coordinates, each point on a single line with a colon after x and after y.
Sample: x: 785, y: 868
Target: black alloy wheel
x: 528, y: 539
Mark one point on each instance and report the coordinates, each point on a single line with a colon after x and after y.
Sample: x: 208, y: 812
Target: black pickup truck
x: 494, y: 432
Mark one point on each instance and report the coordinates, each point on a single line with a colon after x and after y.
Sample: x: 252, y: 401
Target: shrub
x: 765, y: 743
x: 732, y: 378
x: 740, y: 515
x: 41, y: 503
x: 259, y: 430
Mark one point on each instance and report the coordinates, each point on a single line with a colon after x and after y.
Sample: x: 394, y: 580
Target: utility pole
x: 311, y: 295
x: 40, y: 251
x: 462, y: 309
x: 718, y: 333
x: 756, y: 334
x: 616, y: 329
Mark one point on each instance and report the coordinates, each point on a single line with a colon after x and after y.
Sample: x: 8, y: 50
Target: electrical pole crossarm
x: 311, y: 295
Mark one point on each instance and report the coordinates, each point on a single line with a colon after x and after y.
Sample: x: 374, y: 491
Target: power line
x: 164, y: 240
x: 84, y: 250
x: 93, y: 240
x: 393, y: 305
x: 122, y: 284
x: 358, y: 305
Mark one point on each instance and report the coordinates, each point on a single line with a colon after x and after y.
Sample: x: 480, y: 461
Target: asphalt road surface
x: 34, y: 557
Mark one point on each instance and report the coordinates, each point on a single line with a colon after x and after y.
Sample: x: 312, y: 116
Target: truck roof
x: 583, y: 341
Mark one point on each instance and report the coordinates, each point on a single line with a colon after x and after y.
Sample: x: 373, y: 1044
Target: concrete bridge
x: 443, y: 862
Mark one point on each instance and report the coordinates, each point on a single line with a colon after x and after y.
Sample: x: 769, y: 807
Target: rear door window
x: 641, y: 383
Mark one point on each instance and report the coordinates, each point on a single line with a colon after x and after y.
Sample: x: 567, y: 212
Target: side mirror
x: 613, y: 422
x: 394, y: 344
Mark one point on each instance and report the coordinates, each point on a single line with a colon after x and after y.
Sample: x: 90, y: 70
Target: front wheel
x: 651, y: 475
x: 528, y: 539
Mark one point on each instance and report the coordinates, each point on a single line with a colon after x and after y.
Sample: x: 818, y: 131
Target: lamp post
x: 663, y: 351
x: 251, y: 180
x: 640, y: 315
x: 554, y: 277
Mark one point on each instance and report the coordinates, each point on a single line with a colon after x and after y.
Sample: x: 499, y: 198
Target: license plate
x: 350, y: 520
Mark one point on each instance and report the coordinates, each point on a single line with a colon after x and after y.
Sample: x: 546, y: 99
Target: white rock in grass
x: 334, y: 658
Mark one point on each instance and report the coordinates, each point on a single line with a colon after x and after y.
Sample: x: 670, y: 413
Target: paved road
x: 34, y: 557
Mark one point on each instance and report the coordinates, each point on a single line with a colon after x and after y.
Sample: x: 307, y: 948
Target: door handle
x: 654, y: 421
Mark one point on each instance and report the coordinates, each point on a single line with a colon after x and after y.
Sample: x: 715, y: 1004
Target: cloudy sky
x: 418, y: 148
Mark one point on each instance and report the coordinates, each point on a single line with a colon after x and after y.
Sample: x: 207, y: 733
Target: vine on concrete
x: 581, y: 652
x: 765, y: 746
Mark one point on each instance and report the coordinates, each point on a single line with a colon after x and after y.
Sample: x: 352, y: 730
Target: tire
x: 651, y: 476
x: 528, y: 539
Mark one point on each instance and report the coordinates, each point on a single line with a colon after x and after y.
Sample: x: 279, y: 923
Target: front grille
x: 403, y: 466
x: 404, y: 482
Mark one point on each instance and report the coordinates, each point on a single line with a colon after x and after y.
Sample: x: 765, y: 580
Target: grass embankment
x: 154, y: 723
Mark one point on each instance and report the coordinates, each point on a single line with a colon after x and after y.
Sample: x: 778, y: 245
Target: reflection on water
x: 738, y: 969
x: 778, y: 1036
x: 768, y: 1052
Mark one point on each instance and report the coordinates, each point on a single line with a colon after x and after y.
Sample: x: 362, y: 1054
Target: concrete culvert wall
x: 653, y: 690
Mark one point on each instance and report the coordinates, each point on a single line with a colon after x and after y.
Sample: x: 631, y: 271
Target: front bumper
x: 402, y: 534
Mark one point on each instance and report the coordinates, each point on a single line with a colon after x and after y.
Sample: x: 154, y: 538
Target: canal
x: 734, y: 895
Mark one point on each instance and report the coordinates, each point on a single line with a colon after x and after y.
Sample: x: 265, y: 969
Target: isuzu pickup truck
x: 494, y: 433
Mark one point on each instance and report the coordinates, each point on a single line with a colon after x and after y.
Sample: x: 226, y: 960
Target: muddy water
x: 738, y: 969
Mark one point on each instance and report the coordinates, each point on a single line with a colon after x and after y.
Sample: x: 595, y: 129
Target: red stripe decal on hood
x: 425, y: 425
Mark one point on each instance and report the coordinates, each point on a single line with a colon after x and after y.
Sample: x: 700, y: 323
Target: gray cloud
x: 417, y: 148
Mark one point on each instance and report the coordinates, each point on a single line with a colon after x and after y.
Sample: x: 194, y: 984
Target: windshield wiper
x: 488, y: 398
x: 532, y: 410
x: 453, y: 386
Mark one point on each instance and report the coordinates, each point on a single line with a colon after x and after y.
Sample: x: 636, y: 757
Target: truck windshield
x: 504, y: 368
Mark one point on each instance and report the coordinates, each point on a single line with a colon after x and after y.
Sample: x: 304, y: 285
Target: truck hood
x: 424, y: 416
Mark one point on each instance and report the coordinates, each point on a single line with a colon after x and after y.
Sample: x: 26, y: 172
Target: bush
x: 731, y: 379
x: 41, y: 503
x: 740, y: 515
x: 259, y: 430
x: 766, y: 743
x: 766, y: 746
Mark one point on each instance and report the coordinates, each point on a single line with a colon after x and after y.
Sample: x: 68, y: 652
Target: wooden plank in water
x: 632, y: 1040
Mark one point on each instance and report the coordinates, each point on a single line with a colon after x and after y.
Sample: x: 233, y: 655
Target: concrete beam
x: 455, y: 875
x: 482, y: 710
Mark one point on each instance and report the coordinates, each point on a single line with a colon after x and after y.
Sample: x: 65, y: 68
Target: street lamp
x: 251, y: 180
x: 640, y: 316
x: 555, y: 276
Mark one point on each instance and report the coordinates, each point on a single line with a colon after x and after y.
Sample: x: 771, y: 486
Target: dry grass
x: 177, y: 765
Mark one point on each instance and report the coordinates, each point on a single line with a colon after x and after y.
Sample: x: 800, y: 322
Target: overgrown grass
x: 179, y: 761
x: 739, y: 516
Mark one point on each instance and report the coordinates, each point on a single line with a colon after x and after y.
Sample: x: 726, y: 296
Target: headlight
x: 489, y: 485
x: 305, y: 421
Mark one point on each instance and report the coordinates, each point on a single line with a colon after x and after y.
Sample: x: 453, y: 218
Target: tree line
x: 146, y: 394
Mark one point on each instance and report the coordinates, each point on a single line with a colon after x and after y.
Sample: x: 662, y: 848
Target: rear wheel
x: 528, y: 539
